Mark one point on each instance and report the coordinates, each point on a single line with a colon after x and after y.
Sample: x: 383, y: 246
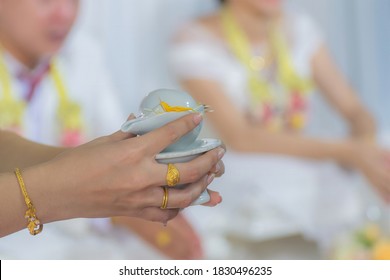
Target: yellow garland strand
x: 260, y: 90
x: 12, y: 110
x: 69, y: 112
x: 287, y: 74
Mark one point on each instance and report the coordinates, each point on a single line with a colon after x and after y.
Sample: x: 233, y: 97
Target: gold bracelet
x: 34, y: 225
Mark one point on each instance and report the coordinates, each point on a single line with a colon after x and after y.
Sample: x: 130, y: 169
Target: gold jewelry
x: 164, y: 203
x: 173, y: 175
x: 34, y: 225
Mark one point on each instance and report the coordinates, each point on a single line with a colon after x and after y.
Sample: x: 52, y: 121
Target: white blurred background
x: 135, y: 37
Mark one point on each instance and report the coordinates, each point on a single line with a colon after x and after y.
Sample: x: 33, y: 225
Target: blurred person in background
x: 61, y: 94
x: 255, y: 63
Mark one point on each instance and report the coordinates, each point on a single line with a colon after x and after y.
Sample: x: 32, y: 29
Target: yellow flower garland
x: 260, y: 89
x: 12, y: 110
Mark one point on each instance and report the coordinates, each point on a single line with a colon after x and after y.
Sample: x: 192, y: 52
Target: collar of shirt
x: 28, y: 78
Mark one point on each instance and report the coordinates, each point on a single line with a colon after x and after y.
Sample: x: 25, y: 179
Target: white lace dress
x: 265, y: 196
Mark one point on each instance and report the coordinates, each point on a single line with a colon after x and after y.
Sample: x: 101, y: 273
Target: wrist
x: 48, y: 195
x: 13, y: 208
x: 348, y: 153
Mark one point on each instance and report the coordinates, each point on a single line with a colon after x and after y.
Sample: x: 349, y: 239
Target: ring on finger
x: 173, y: 175
x: 164, y: 203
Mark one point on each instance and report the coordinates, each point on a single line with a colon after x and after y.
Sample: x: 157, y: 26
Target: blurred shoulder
x: 300, y: 19
x: 206, y: 27
x: 212, y: 22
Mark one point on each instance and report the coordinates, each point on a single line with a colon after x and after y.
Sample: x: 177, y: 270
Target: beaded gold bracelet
x: 34, y: 225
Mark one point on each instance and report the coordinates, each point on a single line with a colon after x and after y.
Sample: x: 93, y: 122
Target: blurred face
x: 37, y: 27
x: 264, y: 7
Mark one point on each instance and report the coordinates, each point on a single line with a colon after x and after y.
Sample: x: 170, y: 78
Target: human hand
x: 118, y: 175
x: 374, y: 163
x: 178, y: 240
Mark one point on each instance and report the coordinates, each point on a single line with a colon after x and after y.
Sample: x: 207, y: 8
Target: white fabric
x: 357, y: 33
x: 200, y: 54
x: 267, y: 197
x: 84, y: 74
x: 87, y: 81
x: 73, y: 240
x: 135, y: 35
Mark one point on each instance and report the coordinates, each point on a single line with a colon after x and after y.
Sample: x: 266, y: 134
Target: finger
x: 120, y: 135
x: 159, y: 139
x: 184, y: 197
x: 223, y: 146
x: 156, y: 214
x: 218, y: 169
x: 192, y: 171
x: 215, y: 199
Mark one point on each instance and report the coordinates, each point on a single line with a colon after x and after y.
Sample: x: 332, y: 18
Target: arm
x: 242, y: 136
x: 21, y: 153
x: 238, y: 133
x: 340, y: 94
x: 115, y: 175
x: 15, y: 152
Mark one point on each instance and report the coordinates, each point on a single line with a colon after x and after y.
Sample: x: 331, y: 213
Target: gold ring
x: 164, y: 203
x: 173, y: 175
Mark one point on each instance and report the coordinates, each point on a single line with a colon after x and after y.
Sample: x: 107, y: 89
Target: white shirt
x: 200, y: 54
x: 88, y: 83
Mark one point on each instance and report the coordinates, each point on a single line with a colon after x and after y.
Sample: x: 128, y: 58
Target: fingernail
x: 217, y: 168
x: 132, y: 116
x: 210, y: 178
x: 197, y: 118
x: 221, y: 153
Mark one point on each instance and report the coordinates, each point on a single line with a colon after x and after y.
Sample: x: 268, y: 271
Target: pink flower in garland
x: 71, y: 138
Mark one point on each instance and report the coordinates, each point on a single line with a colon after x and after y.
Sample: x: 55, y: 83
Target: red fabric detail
x: 33, y: 81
